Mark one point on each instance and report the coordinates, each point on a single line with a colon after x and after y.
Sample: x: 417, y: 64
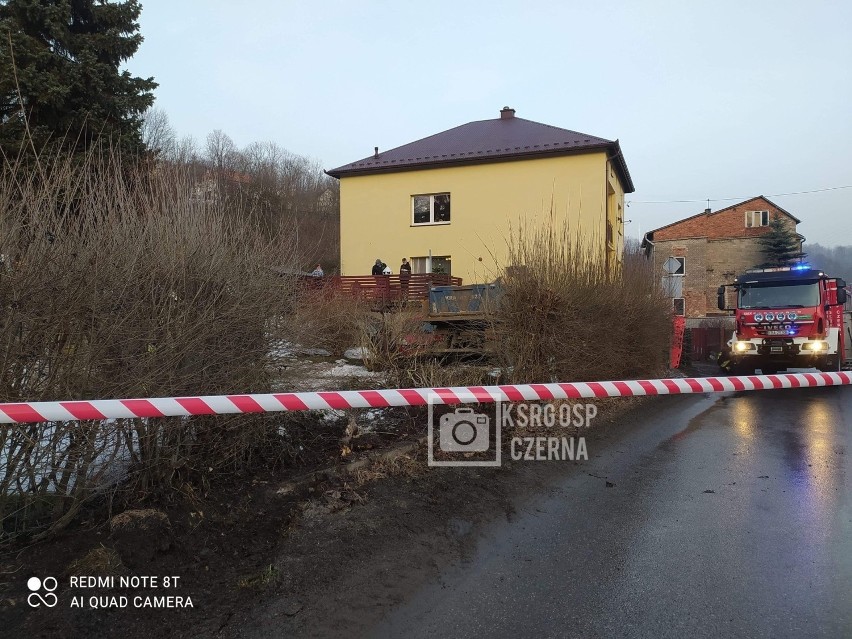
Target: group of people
x: 380, y: 268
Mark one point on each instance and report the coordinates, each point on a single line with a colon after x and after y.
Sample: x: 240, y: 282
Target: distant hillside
x: 836, y: 261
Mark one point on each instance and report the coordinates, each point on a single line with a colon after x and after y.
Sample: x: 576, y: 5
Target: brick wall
x: 725, y: 223
x: 709, y: 264
x: 695, y: 277
x: 717, y: 246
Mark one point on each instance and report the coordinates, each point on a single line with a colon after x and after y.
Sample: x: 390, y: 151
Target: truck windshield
x: 779, y: 295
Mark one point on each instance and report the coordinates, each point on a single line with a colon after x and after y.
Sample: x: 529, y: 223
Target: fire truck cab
x: 786, y: 317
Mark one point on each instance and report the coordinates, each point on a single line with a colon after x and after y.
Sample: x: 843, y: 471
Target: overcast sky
x: 709, y: 100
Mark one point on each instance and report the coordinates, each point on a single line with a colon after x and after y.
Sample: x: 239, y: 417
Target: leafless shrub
x: 564, y: 316
x: 119, y: 282
x: 399, y: 346
x: 329, y: 319
x: 279, y: 191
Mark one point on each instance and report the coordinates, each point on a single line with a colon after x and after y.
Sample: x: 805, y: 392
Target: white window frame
x: 681, y: 260
x: 421, y: 263
x: 431, y: 197
x: 759, y: 216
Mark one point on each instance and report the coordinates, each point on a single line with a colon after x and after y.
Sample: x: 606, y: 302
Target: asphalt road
x: 728, y: 517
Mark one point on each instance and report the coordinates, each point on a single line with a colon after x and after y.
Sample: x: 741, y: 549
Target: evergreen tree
x: 59, y: 69
x: 780, y: 245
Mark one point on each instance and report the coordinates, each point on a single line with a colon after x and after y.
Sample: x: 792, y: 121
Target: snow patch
x: 351, y: 370
x: 357, y: 353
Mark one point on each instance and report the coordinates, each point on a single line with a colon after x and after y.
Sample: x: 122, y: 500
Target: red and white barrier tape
x: 279, y: 402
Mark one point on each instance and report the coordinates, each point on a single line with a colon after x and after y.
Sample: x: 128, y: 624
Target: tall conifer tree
x: 60, y: 68
x: 780, y: 245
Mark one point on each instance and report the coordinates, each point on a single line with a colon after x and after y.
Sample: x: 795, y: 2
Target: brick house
x: 694, y: 256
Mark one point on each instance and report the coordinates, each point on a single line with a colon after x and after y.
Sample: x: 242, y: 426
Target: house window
x: 679, y: 306
x: 675, y: 266
x: 672, y: 282
x: 430, y: 209
x: 440, y: 264
x: 672, y: 285
x: 756, y: 218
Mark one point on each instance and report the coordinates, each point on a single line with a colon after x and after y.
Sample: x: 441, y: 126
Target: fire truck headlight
x: 758, y: 317
x: 742, y: 347
x: 770, y: 317
x: 780, y: 317
x: 792, y: 315
x: 816, y: 346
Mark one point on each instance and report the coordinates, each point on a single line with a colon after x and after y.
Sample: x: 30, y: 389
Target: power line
x: 728, y: 199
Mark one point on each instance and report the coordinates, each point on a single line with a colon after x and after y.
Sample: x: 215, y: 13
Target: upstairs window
x: 756, y: 218
x: 675, y: 266
x: 430, y: 209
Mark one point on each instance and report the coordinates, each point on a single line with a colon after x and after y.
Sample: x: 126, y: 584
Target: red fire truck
x: 786, y: 317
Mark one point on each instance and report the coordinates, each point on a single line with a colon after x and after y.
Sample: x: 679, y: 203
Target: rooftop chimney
x: 376, y: 152
x: 707, y: 211
x: 506, y: 113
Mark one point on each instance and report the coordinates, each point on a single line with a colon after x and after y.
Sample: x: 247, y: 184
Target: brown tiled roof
x: 500, y: 139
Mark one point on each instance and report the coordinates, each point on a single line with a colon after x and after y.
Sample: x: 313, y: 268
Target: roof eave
x: 509, y: 157
x: 763, y: 197
x: 621, y: 164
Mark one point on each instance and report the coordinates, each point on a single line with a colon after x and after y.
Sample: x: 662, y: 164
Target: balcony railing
x: 389, y: 288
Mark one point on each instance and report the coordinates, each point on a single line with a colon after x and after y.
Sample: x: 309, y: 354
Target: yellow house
x: 449, y: 202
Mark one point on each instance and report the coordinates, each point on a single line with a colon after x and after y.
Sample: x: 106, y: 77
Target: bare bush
x: 565, y: 317
x: 399, y: 346
x: 122, y: 283
x: 328, y: 318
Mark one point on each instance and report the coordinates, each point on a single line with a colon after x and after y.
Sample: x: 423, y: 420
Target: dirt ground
x: 266, y: 556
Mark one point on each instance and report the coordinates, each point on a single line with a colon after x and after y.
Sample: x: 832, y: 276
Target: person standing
x: 318, y: 272
x: 404, y: 277
x: 381, y: 280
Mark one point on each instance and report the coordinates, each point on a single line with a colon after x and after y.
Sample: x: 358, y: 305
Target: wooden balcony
x: 386, y: 289
x: 394, y: 287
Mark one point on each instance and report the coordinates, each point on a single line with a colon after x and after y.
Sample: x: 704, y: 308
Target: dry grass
x: 267, y: 577
x: 404, y: 466
x: 98, y: 562
x: 565, y: 317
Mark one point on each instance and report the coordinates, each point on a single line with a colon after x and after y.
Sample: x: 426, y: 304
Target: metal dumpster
x: 473, y: 299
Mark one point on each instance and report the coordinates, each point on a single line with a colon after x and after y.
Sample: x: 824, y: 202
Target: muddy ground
x: 266, y: 556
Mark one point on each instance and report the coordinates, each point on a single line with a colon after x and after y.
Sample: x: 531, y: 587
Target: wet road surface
x: 729, y: 517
